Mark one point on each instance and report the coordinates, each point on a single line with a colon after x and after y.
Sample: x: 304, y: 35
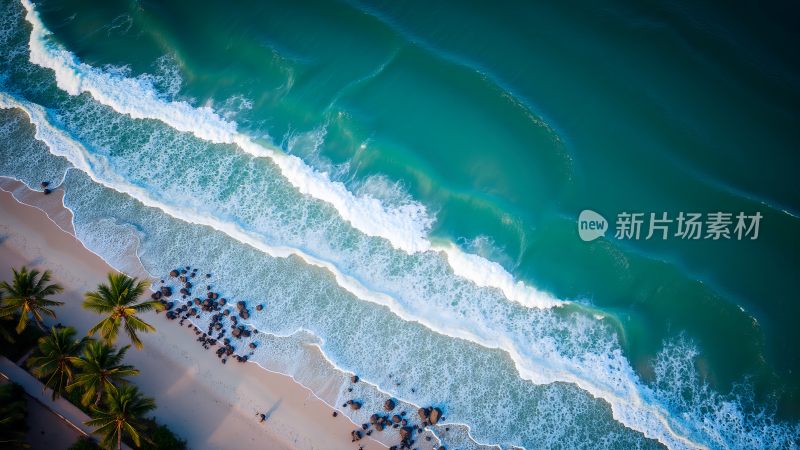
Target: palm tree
x: 13, y: 412
x: 122, y: 413
x: 27, y: 296
x: 118, y: 301
x: 100, y: 368
x: 58, y: 355
x: 5, y: 334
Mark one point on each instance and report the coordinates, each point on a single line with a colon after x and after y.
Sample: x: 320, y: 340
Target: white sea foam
x: 405, y: 226
x: 605, y: 375
x: 487, y: 273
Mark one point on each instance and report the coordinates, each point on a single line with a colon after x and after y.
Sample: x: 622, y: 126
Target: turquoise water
x: 428, y: 126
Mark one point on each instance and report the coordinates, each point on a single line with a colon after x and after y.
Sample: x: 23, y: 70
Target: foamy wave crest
x: 487, y: 273
x: 604, y: 374
x: 405, y: 226
x: 98, y: 169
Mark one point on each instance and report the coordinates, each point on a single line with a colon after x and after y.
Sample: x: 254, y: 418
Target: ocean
x: 399, y: 183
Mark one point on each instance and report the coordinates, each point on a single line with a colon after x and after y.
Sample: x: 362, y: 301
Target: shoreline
x: 37, y: 231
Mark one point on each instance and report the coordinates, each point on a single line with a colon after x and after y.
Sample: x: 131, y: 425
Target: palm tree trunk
x: 119, y: 438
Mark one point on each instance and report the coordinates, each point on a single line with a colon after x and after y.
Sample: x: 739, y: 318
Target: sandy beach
x: 209, y: 405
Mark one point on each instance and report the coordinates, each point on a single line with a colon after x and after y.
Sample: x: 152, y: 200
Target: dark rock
x: 173, y: 273
x: 396, y: 419
x: 406, y: 433
x: 166, y: 291
x: 44, y: 184
x: 252, y: 345
x: 423, y: 414
x: 259, y: 307
x: 354, y: 405
x: 47, y: 191
x: 354, y: 378
x: 356, y: 435
x: 388, y: 405
x: 435, y: 415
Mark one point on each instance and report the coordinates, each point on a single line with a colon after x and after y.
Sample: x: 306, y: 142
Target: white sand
x: 210, y: 405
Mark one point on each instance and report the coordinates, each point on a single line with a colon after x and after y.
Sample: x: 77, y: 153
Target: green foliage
x: 5, y: 330
x: 88, y: 373
x: 85, y: 443
x: 100, y: 368
x: 20, y: 344
x: 122, y: 415
x: 56, y: 359
x: 13, y: 412
x: 160, y: 437
x: 117, y: 301
x: 26, y: 297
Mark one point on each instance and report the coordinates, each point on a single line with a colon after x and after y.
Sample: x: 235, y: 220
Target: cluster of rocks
x: 382, y: 420
x: 220, y: 315
x: 46, y: 187
x: 216, y: 335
